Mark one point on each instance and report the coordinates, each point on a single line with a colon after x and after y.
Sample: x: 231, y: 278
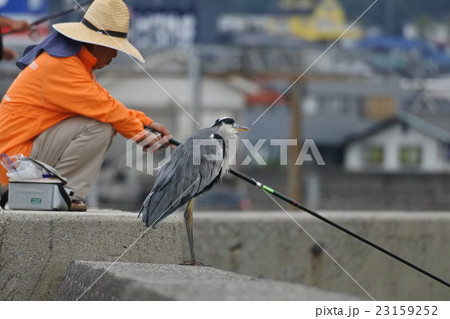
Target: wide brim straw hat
x: 105, y: 23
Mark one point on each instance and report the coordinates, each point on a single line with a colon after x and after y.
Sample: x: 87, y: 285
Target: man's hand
x: 155, y: 141
x: 16, y: 26
x: 20, y: 25
x: 160, y: 128
x: 9, y: 54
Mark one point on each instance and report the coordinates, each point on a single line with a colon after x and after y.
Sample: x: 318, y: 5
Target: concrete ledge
x: 138, y: 281
x: 271, y: 245
x: 37, y: 247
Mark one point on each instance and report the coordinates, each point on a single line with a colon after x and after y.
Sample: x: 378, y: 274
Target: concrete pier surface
x: 37, y: 249
x: 284, y: 246
x: 143, y: 281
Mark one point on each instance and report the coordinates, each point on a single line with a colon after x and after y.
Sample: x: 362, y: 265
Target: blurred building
x: 318, y: 20
x: 331, y: 112
x: 412, y: 58
x: 321, y: 20
x: 414, y: 143
x: 169, y: 99
x: 202, y: 64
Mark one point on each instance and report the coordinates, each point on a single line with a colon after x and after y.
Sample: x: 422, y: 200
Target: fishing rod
x: 275, y: 193
x: 33, y: 25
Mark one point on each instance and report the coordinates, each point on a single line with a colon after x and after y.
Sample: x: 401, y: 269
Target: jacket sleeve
x: 70, y: 87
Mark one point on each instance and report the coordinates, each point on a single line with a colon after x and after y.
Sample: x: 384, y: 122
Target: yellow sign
x: 326, y: 21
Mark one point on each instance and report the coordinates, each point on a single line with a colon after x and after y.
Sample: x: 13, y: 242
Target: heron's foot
x: 194, y: 263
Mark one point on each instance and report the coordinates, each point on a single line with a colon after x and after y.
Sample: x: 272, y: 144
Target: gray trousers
x: 76, y: 148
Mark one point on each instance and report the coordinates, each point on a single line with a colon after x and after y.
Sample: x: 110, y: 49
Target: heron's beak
x: 240, y: 128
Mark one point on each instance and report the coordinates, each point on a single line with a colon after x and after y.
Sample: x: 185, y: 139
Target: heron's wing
x: 193, y: 168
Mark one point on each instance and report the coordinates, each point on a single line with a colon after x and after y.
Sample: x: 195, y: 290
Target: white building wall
x: 353, y: 157
x: 168, y: 100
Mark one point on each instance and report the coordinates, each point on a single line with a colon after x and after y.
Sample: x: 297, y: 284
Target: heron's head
x: 228, y: 125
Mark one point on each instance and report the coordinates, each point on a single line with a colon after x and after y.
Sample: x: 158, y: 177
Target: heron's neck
x: 230, y: 141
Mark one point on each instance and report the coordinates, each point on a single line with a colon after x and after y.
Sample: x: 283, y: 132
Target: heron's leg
x: 189, y: 222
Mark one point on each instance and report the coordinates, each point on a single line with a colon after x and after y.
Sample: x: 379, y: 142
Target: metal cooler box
x: 36, y: 194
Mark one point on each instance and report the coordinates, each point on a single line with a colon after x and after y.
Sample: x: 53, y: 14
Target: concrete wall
x: 271, y: 245
x: 37, y: 247
x: 387, y: 191
x: 330, y: 188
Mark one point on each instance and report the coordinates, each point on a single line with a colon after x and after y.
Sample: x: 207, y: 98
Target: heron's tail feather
x: 145, y: 209
x: 155, y: 208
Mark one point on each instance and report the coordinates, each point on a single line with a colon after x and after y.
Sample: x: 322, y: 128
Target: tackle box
x: 37, y: 194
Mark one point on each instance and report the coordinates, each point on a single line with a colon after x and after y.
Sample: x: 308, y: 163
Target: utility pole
x: 195, y: 79
x: 294, y: 171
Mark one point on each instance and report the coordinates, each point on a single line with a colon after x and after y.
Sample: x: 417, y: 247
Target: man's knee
x: 102, y: 131
x: 108, y: 130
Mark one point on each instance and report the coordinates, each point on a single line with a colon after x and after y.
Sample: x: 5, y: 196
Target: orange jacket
x: 52, y: 89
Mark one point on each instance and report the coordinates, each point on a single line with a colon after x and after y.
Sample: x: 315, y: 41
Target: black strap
x: 106, y: 32
x: 4, y: 199
x: 64, y: 195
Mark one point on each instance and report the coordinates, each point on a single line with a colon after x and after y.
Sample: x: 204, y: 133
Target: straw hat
x: 105, y: 23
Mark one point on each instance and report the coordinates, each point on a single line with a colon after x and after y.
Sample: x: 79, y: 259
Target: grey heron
x: 194, y: 167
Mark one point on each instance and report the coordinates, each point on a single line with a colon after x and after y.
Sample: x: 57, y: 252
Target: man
x: 57, y: 113
x: 8, y: 54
